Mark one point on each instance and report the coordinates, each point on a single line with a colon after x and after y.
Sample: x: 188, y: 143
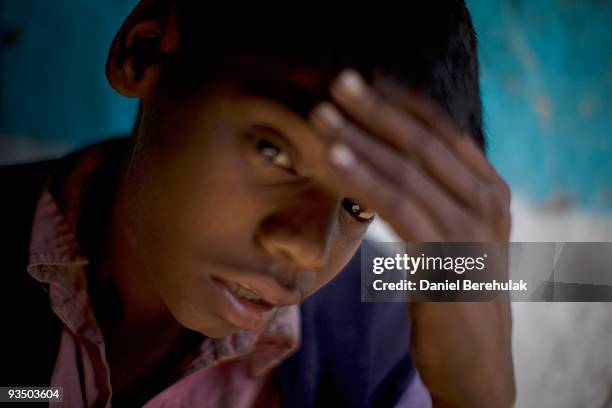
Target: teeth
x: 244, y: 291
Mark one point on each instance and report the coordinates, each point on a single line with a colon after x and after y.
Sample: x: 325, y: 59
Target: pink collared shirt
x: 227, y: 372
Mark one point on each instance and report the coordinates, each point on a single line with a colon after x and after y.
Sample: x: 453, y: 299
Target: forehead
x: 297, y: 86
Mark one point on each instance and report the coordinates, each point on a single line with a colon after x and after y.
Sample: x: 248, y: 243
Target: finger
x: 399, y: 171
x: 390, y: 123
x: 436, y: 118
x: 346, y: 174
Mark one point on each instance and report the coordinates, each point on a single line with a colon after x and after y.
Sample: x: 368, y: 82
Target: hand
x: 407, y: 160
x: 403, y: 157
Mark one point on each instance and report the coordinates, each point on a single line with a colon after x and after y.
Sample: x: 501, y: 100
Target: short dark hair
x: 428, y: 45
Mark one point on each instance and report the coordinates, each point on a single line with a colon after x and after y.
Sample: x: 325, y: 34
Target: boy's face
x: 223, y: 205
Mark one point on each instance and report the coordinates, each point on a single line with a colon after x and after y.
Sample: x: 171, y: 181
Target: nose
x: 299, y: 234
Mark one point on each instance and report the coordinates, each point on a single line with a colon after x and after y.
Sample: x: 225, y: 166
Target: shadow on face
x: 223, y: 201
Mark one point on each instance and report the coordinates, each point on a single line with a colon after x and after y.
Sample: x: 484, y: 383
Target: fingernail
x: 341, y: 156
x: 327, y: 113
x: 350, y: 84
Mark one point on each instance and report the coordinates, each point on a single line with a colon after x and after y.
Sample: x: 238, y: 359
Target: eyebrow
x: 295, y: 96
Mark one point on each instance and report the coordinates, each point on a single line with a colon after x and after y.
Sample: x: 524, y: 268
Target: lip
x: 240, y: 312
x: 265, y: 285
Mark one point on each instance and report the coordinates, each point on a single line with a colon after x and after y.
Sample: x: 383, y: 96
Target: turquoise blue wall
x: 52, y: 74
x: 546, y: 84
x: 546, y: 74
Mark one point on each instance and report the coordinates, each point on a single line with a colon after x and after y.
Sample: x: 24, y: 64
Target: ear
x: 133, y: 64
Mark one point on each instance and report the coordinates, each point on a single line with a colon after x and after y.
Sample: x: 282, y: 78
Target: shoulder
x: 21, y: 186
x: 22, y: 183
x: 29, y: 346
x: 24, y: 303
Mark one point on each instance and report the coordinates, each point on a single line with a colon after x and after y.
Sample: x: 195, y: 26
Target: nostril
x: 284, y: 254
x: 304, y: 282
x: 287, y: 282
x: 294, y: 279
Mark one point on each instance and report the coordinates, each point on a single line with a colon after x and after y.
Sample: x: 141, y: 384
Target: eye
x: 271, y: 147
x: 357, y: 210
x: 274, y: 154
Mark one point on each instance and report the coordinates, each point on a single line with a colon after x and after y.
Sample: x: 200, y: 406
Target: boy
x: 173, y: 262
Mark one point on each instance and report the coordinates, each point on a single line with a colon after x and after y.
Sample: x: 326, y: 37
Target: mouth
x: 246, y: 292
x: 242, y: 305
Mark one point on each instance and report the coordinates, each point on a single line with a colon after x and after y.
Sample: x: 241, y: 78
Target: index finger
x: 389, y: 123
x: 435, y: 117
x: 419, y: 126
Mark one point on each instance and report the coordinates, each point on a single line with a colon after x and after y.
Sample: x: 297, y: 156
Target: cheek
x: 192, y: 206
x: 186, y: 215
x: 183, y: 190
x: 177, y: 218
